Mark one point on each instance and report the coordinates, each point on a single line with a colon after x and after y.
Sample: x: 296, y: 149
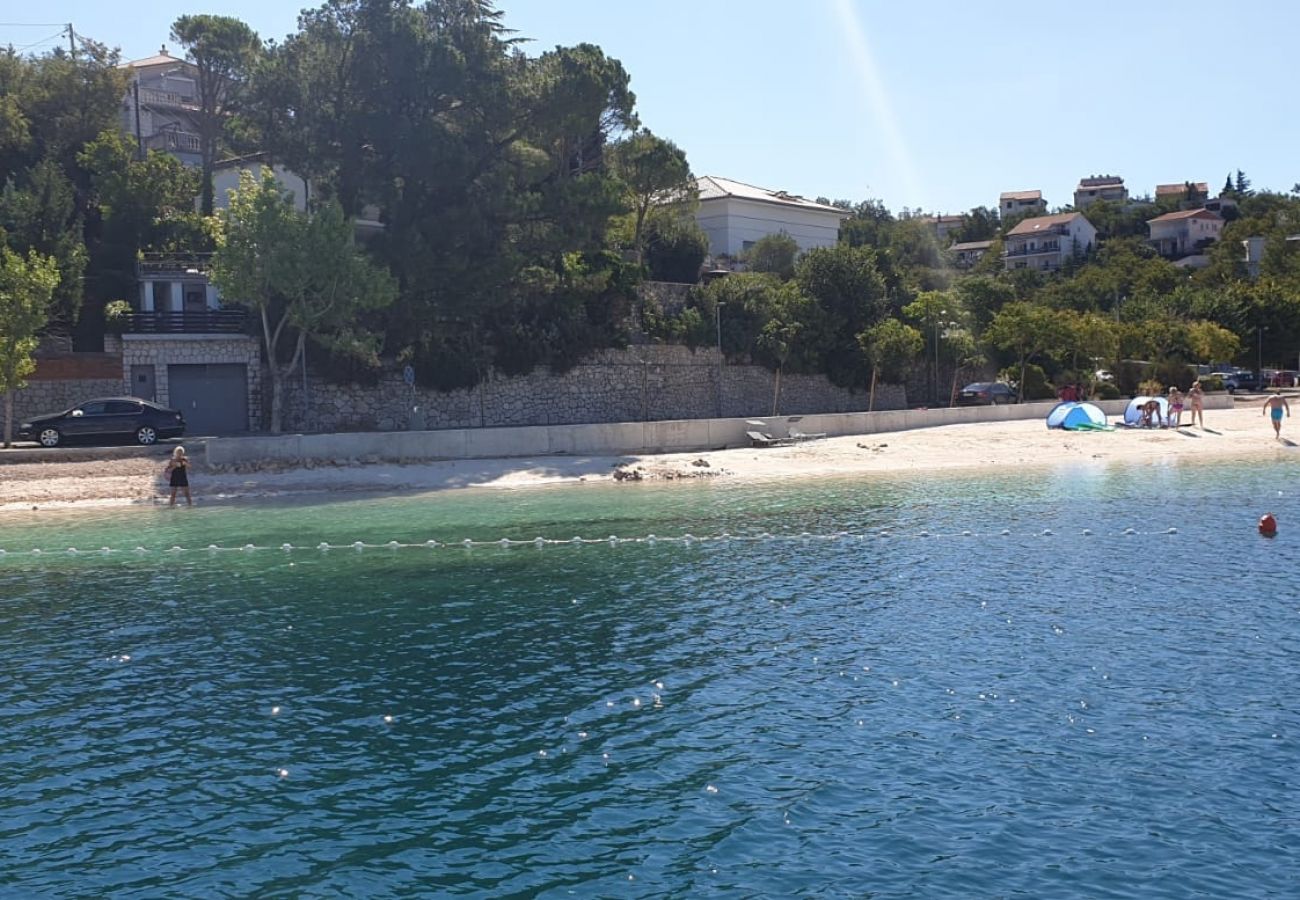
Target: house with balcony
x: 1099, y: 187
x: 1015, y: 203
x: 967, y: 253
x: 1044, y: 243
x: 182, y: 348
x: 1185, y: 235
x: 735, y: 215
x: 161, y: 106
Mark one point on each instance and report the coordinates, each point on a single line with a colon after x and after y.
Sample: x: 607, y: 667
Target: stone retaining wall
x: 647, y: 383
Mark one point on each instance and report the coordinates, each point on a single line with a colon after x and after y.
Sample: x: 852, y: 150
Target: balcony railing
x: 1052, y: 247
x: 166, y: 98
x: 173, y: 141
x: 173, y: 263
x: 208, y: 321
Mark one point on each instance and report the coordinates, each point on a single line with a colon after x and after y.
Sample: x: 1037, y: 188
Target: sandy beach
x: 1241, y: 433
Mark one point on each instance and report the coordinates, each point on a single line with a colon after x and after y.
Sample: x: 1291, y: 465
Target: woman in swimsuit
x: 1175, y: 407
x: 1197, y: 398
x: 178, y: 475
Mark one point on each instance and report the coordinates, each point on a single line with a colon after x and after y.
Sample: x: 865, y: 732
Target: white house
x: 1100, y: 187
x: 161, y: 105
x: 735, y: 215
x: 1013, y: 203
x: 1046, y: 242
x: 226, y: 174
x: 1182, y: 234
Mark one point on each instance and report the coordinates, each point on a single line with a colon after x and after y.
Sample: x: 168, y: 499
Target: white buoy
x: 286, y: 547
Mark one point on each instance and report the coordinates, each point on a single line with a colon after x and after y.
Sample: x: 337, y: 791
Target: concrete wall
x: 612, y: 439
x: 643, y: 383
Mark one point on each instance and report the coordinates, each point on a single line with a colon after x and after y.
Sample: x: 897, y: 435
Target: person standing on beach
x: 1273, y: 408
x: 178, y: 475
x: 1175, y: 407
x: 1196, y: 399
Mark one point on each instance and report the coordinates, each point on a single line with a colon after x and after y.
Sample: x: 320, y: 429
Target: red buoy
x: 1267, y: 525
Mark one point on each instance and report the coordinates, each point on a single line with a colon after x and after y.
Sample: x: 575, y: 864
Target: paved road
x: 32, y: 453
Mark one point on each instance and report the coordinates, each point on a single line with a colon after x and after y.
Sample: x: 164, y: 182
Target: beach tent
x: 1133, y: 412
x: 1074, y: 416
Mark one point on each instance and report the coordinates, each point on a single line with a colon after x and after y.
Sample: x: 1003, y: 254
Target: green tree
x: 889, y: 347
x: 1211, y: 343
x: 657, y: 179
x: 1025, y: 330
x: 774, y: 254
x: 675, y: 250
x: 302, y: 274
x: 224, y: 50
x: 26, y: 287
x: 849, y: 296
x: 779, y: 340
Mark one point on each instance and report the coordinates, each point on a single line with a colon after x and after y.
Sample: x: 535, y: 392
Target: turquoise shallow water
x: 951, y: 715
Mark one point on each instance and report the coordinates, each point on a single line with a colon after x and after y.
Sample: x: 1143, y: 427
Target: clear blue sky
x: 937, y: 105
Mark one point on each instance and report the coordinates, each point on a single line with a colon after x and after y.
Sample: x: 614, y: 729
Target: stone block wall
x: 56, y: 395
x: 645, y: 383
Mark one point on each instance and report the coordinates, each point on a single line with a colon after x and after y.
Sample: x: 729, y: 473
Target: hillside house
x: 735, y: 215
x: 1181, y: 235
x: 1044, y: 243
x: 966, y: 253
x: 161, y: 106
x: 1015, y: 203
x: 1100, y: 187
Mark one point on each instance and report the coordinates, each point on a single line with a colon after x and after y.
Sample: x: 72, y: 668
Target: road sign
x: 408, y: 375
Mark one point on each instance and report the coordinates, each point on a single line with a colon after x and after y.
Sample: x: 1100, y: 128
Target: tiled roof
x: 1021, y: 195
x: 712, y: 187
x: 162, y: 58
x: 1186, y: 214
x: 1099, y: 181
x: 1042, y: 223
x: 972, y: 245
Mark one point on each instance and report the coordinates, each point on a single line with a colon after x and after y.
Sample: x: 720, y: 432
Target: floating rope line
x: 612, y: 540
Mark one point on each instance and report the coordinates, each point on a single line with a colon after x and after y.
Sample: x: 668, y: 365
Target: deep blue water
x: 951, y: 715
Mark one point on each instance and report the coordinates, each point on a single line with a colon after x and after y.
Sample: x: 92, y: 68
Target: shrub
x: 1035, y: 387
x: 115, y: 316
x: 1212, y: 383
x: 1106, y: 391
x: 1151, y: 388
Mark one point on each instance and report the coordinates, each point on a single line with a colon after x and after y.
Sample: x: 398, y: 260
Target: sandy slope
x: 1237, y: 433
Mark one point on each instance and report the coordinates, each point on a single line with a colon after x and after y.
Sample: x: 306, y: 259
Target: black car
x: 110, y: 417
x: 986, y: 393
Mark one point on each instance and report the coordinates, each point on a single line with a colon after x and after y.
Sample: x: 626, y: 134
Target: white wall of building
x: 733, y: 223
x: 226, y: 179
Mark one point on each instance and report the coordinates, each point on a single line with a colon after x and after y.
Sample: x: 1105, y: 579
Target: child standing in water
x: 178, y: 475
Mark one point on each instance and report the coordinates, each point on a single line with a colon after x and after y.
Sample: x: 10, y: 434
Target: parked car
x: 986, y: 393
x: 104, y: 419
x: 1242, y: 381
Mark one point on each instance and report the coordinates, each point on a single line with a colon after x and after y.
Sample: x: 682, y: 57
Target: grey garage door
x: 213, y: 399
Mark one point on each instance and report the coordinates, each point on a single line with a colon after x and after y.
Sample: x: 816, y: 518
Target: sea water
x: 1074, y: 684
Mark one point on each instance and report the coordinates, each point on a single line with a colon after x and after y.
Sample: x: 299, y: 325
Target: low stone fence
x: 613, y: 439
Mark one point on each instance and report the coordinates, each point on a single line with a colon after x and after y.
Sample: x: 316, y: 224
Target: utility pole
x: 72, y: 41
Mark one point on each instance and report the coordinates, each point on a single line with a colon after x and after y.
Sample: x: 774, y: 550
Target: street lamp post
x: 1259, y: 357
x: 717, y: 317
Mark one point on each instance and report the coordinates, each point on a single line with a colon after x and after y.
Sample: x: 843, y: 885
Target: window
x: 122, y: 407
x: 746, y: 246
x: 95, y: 409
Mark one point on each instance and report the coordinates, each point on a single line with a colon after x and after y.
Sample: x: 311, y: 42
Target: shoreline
x: 1240, y: 433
